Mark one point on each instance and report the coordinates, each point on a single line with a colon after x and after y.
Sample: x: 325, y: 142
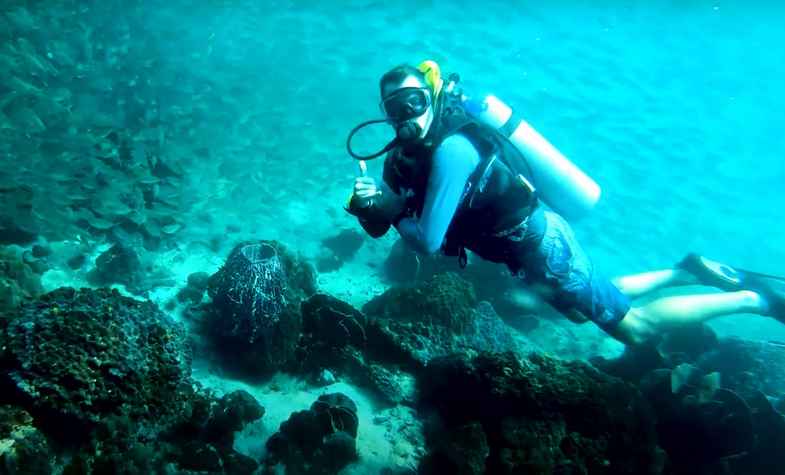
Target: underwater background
x: 183, y: 128
x: 675, y: 108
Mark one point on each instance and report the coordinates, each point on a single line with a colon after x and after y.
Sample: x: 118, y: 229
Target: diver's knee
x: 634, y: 329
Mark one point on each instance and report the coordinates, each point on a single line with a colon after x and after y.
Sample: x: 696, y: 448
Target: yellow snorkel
x: 433, y: 76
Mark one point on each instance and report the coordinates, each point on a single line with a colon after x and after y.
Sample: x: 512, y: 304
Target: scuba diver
x: 459, y: 175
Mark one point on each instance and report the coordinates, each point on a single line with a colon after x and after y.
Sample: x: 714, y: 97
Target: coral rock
x: 537, y: 415
x: 320, y: 440
x: 75, y: 356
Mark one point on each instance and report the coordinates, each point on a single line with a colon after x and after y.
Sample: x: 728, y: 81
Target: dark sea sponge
x: 254, y: 319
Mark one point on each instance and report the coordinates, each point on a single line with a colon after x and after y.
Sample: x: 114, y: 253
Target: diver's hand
x: 364, y: 194
x: 365, y: 191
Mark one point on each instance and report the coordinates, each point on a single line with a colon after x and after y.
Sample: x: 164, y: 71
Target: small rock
x: 40, y: 251
x: 195, y: 288
x: 328, y: 263
x: 345, y: 244
x: 323, y: 436
x: 77, y: 261
x: 379, y: 420
x: 326, y: 378
x: 233, y: 412
x: 118, y: 265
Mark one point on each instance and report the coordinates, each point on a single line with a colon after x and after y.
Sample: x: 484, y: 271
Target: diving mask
x: 402, y: 109
x: 406, y: 103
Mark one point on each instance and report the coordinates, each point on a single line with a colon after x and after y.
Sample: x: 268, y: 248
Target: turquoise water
x: 182, y: 128
x: 676, y: 109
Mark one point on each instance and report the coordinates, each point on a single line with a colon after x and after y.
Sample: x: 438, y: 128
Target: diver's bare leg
x: 643, y: 323
x: 637, y: 285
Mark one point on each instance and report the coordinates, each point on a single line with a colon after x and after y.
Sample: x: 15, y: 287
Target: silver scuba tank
x: 558, y: 181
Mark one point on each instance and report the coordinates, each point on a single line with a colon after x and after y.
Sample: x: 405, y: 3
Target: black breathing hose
x: 386, y: 148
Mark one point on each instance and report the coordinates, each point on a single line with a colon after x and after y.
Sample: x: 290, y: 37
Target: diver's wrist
x: 398, y: 218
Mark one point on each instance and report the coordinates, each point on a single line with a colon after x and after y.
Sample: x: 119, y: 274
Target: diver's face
x: 425, y: 119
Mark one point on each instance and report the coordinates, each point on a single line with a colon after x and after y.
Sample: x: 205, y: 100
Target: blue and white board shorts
x: 572, y: 283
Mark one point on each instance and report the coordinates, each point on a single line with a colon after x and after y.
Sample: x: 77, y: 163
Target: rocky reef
x: 718, y: 402
x: 498, y: 413
x: 95, y: 382
x: 392, y: 340
x: 106, y: 379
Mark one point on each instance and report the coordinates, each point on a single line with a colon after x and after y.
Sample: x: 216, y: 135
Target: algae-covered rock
x: 108, y: 379
x: 75, y: 356
x: 436, y: 318
x: 537, y: 415
x: 340, y: 339
x: 446, y: 299
x: 421, y: 342
x: 491, y: 282
x: 385, y: 352
x: 318, y: 441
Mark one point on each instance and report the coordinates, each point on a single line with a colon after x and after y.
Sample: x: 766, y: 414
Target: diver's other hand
x: 365, y: 191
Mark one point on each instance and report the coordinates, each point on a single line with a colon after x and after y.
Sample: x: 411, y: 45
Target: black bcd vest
x: 495, y: 198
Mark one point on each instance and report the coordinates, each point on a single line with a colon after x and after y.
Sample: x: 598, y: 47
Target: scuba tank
x: 558, y: 181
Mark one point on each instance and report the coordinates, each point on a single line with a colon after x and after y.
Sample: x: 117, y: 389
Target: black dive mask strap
x: 386, y: 148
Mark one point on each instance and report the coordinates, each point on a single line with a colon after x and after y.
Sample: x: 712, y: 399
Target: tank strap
x: 514, y: 158
x: 511, y: 125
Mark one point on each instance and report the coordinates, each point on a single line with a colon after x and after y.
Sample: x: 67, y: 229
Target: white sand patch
x: 179, y: 264
x: 61, y: 275
x: 355, y: 283
x: 56, y: 278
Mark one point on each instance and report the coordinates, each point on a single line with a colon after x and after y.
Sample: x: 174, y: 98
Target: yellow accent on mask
x: 433, y: 76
